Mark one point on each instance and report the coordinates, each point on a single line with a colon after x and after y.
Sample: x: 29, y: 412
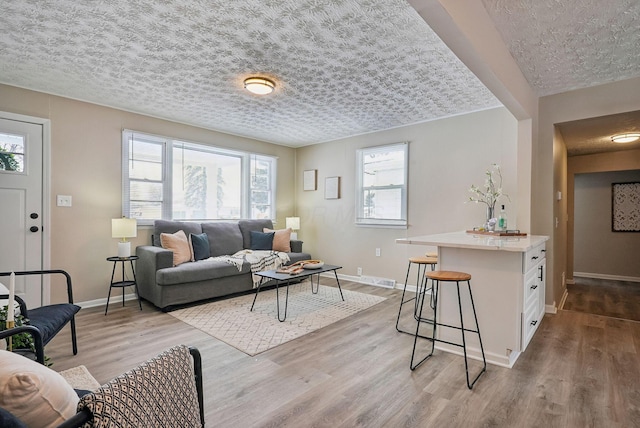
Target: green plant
x: 492, y: 188
x: 20, y: 340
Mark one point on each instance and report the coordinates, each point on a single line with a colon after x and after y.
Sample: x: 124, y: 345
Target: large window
x: 177, y: 180
x: 381, y: 193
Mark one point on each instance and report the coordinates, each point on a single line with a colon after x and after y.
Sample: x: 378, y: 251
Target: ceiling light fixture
x: 626, y: 138
x: 259, y: 85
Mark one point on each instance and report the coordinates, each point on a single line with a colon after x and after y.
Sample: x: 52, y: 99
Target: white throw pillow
x: 35, y: 394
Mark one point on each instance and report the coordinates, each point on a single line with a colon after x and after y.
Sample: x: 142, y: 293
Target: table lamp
x: 124, y: 228
x: 293, y: 223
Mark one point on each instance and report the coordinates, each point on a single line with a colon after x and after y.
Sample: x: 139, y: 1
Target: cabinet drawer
x: 530, y: 324
x: 533, y: 257
x: 532, y: 288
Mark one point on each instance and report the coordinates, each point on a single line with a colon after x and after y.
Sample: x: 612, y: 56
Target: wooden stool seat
x: 422, y: 260
x: 432, y: 254
x: 448, y: 275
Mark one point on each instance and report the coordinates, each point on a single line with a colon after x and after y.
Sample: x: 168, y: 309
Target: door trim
x: 46, y: 193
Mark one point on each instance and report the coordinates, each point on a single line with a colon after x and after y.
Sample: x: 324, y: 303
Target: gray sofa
x: 167, y: 286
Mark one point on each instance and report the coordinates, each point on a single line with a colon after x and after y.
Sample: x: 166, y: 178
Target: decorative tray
x: 497, y: 232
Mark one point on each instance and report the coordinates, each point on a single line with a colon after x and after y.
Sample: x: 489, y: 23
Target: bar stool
x: 436, y: 278
x: 422, y: 263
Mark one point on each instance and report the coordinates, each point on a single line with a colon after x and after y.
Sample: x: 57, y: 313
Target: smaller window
x: 381, y: 193
x: 12, y: 152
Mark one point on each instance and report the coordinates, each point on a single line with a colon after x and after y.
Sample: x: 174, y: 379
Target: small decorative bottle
x: 502, y: 219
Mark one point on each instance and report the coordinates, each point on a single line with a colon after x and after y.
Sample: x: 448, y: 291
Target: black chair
x: 34, y: 332
x: 49, y: 320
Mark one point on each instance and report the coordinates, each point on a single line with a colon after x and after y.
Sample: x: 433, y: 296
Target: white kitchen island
x: 508, y: 285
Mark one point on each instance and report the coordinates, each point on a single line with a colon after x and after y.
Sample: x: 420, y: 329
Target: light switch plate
x: 63, y: 200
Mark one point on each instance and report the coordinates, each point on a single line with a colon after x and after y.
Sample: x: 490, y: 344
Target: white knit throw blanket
x: 260, y: 260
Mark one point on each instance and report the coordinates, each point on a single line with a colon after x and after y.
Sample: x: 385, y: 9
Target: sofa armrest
x: 296, y: 246
x: 155, y: 257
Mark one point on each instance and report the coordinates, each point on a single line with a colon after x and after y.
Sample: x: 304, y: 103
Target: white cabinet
x: 507, y: 280
x: 534, y: 268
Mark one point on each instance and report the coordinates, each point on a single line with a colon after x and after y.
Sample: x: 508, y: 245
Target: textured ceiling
x: 342, y: 67
x: 589, y: 136
x: 562, y: 45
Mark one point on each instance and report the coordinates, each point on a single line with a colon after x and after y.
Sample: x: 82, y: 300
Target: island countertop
x: 463, y: 239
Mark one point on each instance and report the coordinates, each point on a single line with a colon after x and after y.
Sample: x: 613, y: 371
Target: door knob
x: 34, y: 228
x: 34, y: 215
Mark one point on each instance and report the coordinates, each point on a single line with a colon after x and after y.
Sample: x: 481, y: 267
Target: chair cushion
x: 50, y: 319
x: 199, y: 246
x: 159, y: 393
x: 261, y: 240
x: 8, y: 420
x: 35, y: 394
x: 179, y: 244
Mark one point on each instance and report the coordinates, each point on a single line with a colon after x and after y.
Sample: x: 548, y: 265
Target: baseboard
x: 570, y: 281
x: 563, y: 299
x: 605, y: 276
x: 356, y: 278
x: 551, y: 309
x: 102, y: 302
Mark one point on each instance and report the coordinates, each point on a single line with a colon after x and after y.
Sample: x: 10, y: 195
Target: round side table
x: 124, y: 283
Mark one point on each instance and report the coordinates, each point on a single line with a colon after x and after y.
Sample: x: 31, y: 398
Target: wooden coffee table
x: 285, y: 278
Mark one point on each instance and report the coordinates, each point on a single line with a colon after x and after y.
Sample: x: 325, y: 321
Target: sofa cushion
x: 167, y: 226
x: 281, y: 239
x: 224, y: 238
x: 202, y: 270
x: 246, y: 226
x: 199, y: 246
x: 178, y: 243
x: 261, y: 240
x: 35, y: 394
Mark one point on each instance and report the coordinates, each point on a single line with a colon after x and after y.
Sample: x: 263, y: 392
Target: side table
x: 124, y: 283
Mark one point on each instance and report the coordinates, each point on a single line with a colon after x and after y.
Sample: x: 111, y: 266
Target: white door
x: 21, y: 191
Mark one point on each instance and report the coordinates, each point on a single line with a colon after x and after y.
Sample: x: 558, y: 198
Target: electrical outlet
x: 377, y: 252
x: 359, y: 271
x: 63, y: 200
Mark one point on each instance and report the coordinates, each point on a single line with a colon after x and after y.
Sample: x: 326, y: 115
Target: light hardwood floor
x: 617, y: 299
x: 580, y: 370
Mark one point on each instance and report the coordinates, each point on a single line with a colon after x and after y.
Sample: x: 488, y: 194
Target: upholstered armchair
x: 50, y: 319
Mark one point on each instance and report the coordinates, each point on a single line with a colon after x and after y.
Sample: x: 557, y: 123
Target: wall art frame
x: 332, y: 188
x: 625, y: 207
x: 310, y: 179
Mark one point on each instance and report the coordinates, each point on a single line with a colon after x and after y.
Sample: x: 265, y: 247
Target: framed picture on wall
x: 332, y: 188
x: 310, y: 180
x: 625, y: 207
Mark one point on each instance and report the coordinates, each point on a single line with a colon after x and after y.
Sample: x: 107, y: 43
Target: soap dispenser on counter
x: 502, y: 219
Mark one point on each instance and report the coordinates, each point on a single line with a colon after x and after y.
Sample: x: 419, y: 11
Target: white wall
x: 446, y: 157
x: 597, y: 249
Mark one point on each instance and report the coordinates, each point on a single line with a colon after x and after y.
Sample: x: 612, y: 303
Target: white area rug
x: 254, y: 332
x: 80, y: 378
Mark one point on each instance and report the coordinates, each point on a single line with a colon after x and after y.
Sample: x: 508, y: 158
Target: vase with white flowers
x: 489, y: 194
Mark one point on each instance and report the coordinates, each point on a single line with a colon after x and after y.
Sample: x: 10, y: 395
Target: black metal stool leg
x: 464, y: 342
x: 475, y: 317
x: 415, y: 339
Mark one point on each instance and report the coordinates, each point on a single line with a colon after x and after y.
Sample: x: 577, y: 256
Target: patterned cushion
x: 159, y: 393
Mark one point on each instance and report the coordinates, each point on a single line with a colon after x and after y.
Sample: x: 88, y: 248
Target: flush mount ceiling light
x: 259, y: 85
x: 626, y: 138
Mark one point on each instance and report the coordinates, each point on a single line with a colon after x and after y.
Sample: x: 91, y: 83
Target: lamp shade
x: 293, y: 223
x: 124, y: 228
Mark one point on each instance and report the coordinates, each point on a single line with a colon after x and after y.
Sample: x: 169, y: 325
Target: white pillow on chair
x: 35, y: 394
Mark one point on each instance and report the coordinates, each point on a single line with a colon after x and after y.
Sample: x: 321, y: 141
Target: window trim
x: 360, y: 220
x: 167, y: 174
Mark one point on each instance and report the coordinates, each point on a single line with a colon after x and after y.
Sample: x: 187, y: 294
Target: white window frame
x: 167, y: 174
x: 401, y: 222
